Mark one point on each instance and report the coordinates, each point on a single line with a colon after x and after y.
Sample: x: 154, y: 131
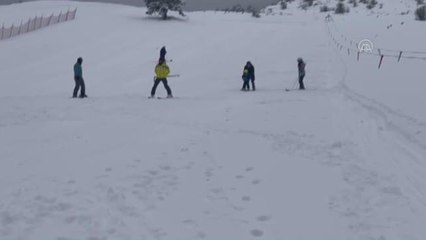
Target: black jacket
x: 250, y: 69
x: 301, y: 66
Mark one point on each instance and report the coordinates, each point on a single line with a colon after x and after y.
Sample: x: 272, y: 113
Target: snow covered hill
x: 344, y: 159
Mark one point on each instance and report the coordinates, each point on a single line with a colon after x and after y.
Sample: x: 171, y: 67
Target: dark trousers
x: 79, y: 83
x: 246, y: 84
x: 252, y: 84
x: 166, y: 86
x: 301, y: 85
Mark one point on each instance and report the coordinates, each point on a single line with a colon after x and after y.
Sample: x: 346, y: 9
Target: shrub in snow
x: 363, y: 1
x: 305, y: 4
x: 309, y: 2
x: 372, y: 4
x: 324, y: 8
x: 420, y: 2
x: 353, y: 2
x: 283, y: 5
x: 237, y: 8
x: 341, y: 8
x: 421, y: 13
x: 163, y: 6
x: 254, y: 13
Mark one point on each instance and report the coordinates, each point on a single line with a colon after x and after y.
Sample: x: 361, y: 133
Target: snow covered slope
x: 215, y: 162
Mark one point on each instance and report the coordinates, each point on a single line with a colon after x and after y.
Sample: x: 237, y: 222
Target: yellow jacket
x: 162, y: 71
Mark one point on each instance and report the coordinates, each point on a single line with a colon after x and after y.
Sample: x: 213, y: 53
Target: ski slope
x: 333, y: 162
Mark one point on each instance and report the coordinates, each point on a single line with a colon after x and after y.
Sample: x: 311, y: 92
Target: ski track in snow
x: 324, y: 163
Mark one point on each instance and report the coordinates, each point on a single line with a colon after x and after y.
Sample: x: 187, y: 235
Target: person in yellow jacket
x: 161, y: 72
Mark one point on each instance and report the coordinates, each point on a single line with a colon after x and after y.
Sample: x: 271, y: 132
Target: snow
x: 344, y: 159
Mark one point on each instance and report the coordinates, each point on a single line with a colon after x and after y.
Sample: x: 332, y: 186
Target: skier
x: 301, y: 67
x: 246, y: 80
x: 161, y: 72
x: 78, y: 78
x: 163, y: 53
x: 250, y: 68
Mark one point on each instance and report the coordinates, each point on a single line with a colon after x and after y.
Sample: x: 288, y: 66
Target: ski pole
x: 294, y: 84
x: 174, y: 75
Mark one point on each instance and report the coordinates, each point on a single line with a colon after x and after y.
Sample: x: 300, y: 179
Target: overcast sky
x: 190, y: 4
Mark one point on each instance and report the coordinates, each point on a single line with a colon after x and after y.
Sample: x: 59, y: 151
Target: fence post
x: 2, y: 31
x: 20, y: 28
x: 41, y: 22
x: 50, y: 19
x: 66, y: 17
x: 358, y: 56
x: 381, y: 59
x: 28, y: 26
x: 400, y: 55
x: 31, y: 28
x: 74, y: 13
x: 11, y: 31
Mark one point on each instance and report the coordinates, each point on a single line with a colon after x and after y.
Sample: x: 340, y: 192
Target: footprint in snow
x: 256, y: 181
x: 165, y: 167
x: 246, y: 198
x: 263, y: 218
x: 209, y: 173
x: 201, y: 235
x: 256, y: 233
x: 184, y: 150
x: 190, y: 223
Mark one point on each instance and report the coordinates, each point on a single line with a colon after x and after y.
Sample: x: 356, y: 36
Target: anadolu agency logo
x: 366, y: 46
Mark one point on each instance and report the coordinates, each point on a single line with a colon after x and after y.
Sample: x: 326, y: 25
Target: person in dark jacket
x: 246, y: 80
x: 163, y: 53
x: 250, y: 70
x: 301, y: 67
x: 78, y: 78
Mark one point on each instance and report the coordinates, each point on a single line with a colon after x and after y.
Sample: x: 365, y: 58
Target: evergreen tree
x: 421, y: 13
x: 283, y: 4
x: 354, y: 3
x: 371, y: 4
x: 340, y: 8
x: 163, y: 6
x: 309, y: 2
